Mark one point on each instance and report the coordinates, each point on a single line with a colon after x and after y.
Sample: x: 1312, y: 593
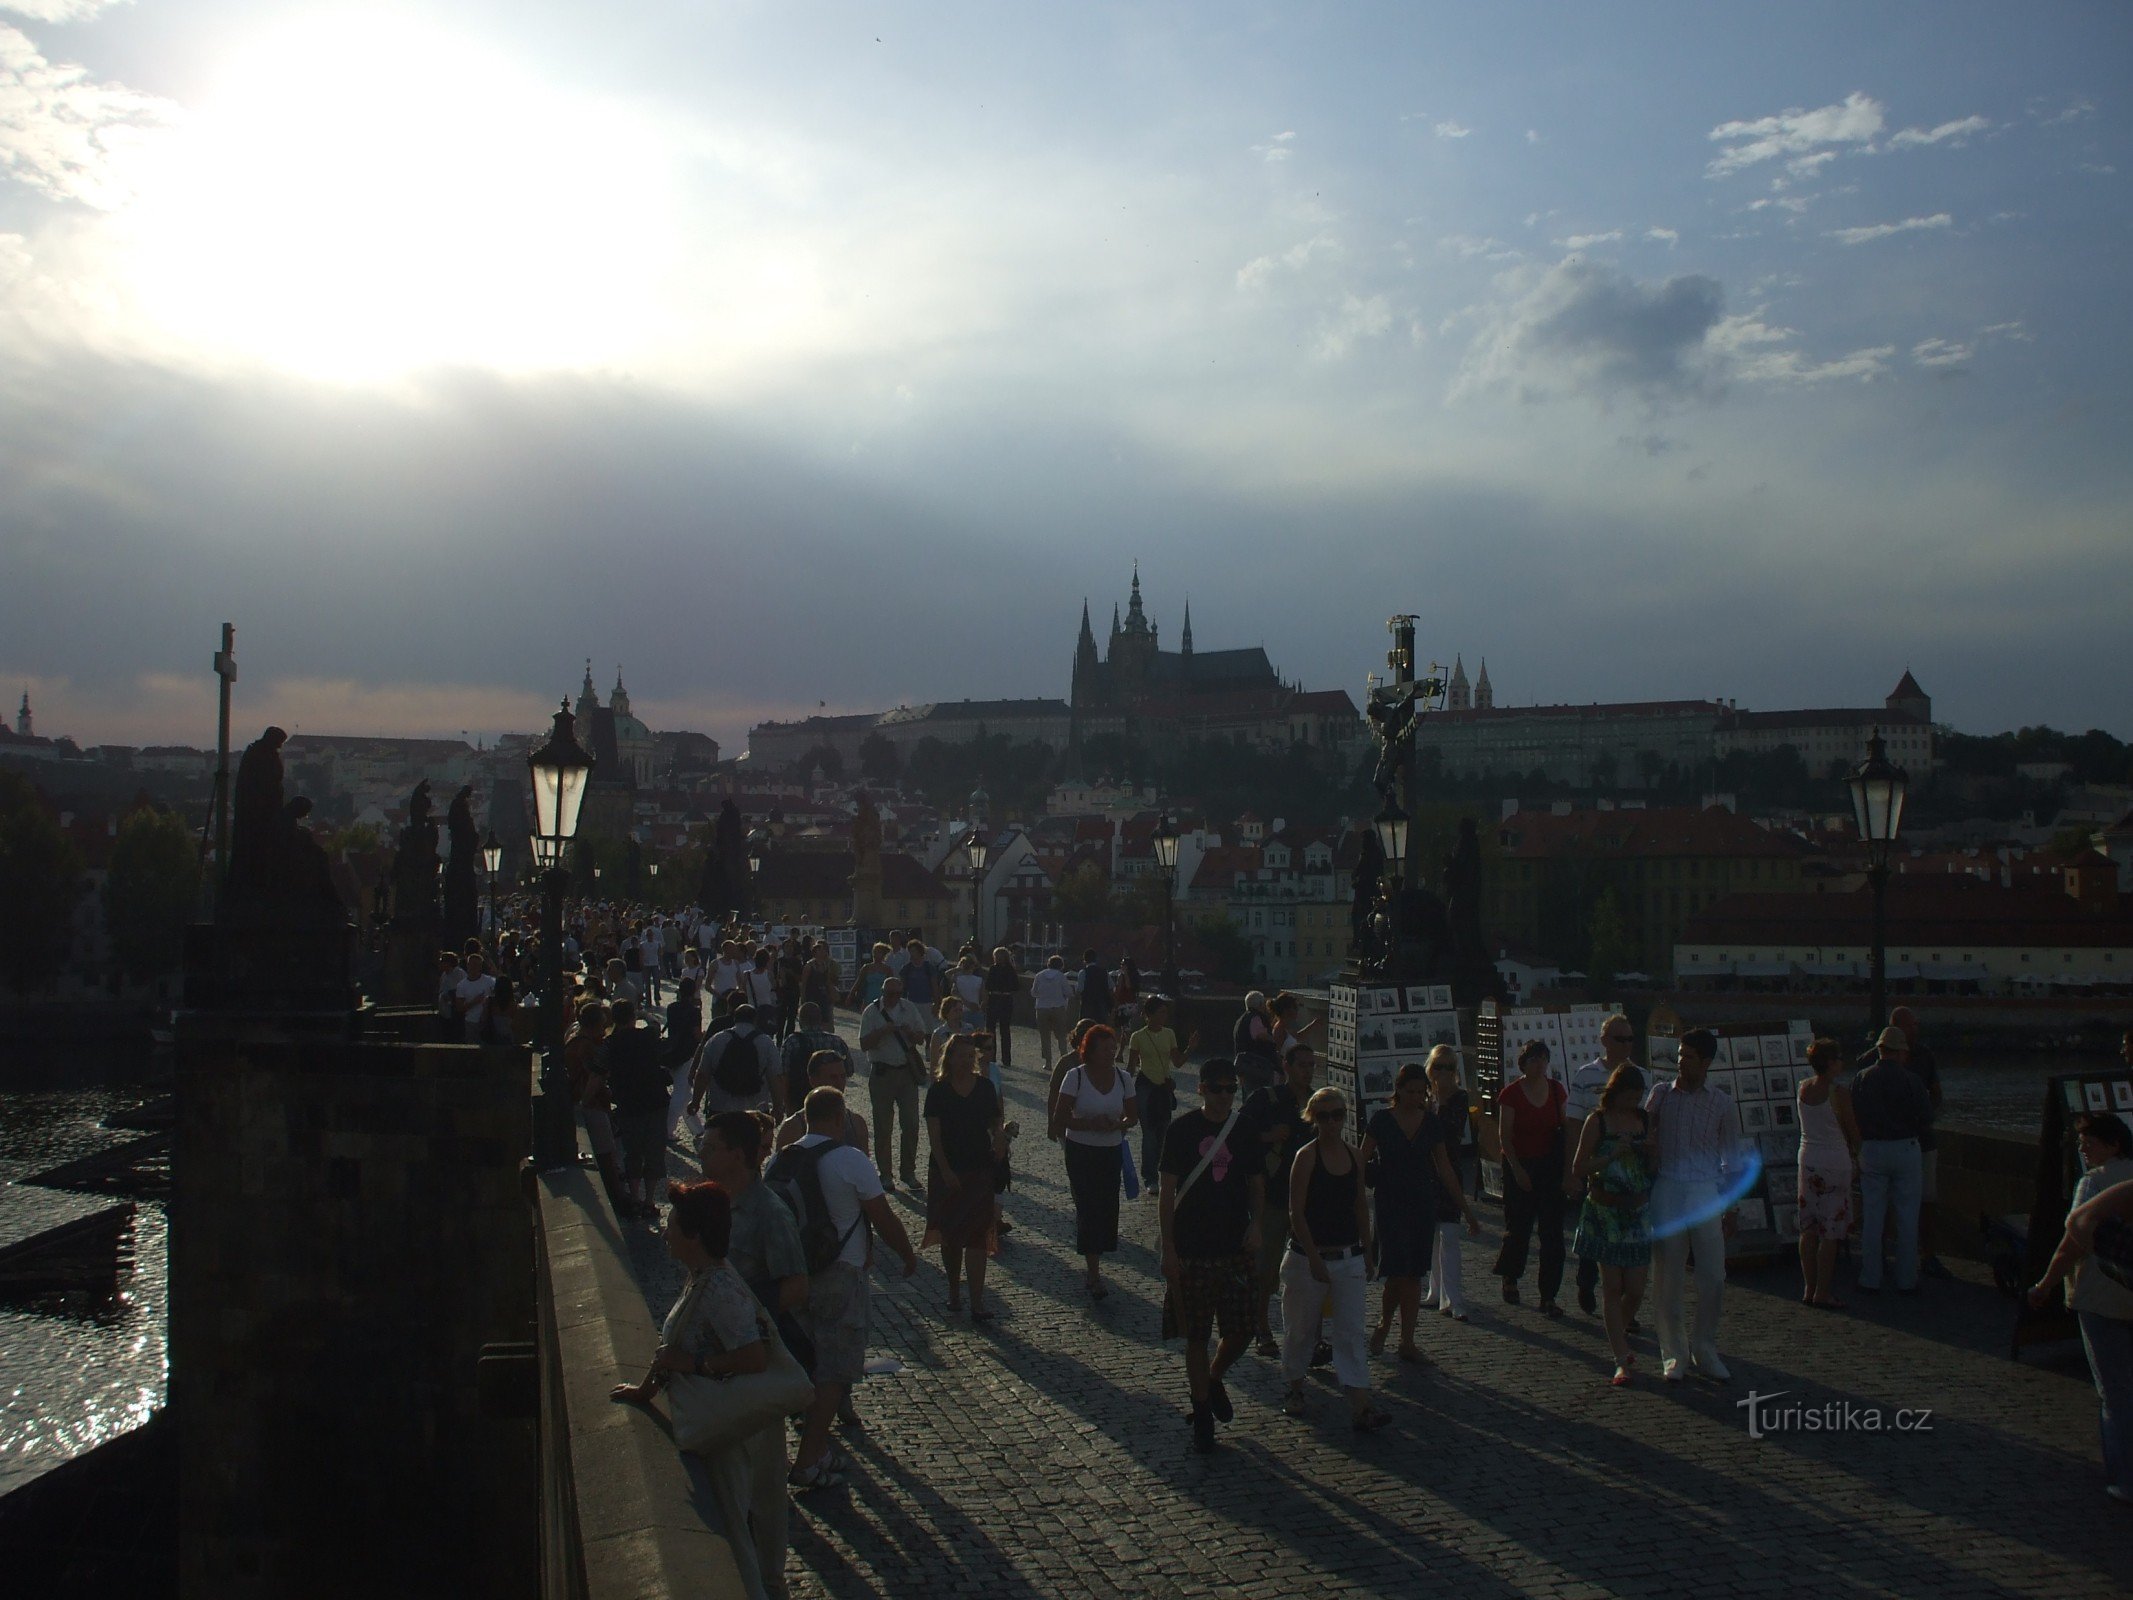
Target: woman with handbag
x: 730, y: 1384
x: 1092, y: 1113
x: 1613, y: 1166
x: 2101, y: 1301
x: 1405, y: 1166
x: 967, y: 1140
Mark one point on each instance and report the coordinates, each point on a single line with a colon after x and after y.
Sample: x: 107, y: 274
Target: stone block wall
x: 348, y: 1230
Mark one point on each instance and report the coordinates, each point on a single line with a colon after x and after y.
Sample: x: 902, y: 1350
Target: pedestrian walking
x: 1273, y: 1123
x: 1328, y: 1259
x: 1926, y: 1069
x: 1406, y: 1168
x: 968, y: 1142
x: 826, y: 1069
x: 801, y: 1046
x: 1252, y: 1046
x: 1613, y: 1171
x: 1893, y: 1111
x: 717, y: 1329
x: 1092, y: 1112
x: 1153, y: 1057
x: 1828, y: 1163
x: 1211, y: 1202
x: 1455, y: 1123
x: 1051, y: 994
x: 1695, y: 1137
x: 892, y: 1034
x: 641, y: 1088
x: 2102, y: 1306
x: 1617, y: 1039
x: 1529, y: 1132
x: 1003, y: 987
x: 1095, y: 989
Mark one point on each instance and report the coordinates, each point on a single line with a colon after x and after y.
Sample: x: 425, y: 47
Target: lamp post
x: 1391, y: 826
x: 1166, y: 862
x: 492, y: 862
x: 979, y: 851
x: 1878, y: 787
x: 559, y: 771
x: 758, y: 846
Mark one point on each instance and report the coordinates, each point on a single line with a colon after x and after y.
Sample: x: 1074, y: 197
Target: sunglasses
x: 1621, y: 1038
x: 1332, y: 1116
x: 1218, y: 1088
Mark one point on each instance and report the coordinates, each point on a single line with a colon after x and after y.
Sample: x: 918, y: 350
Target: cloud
x: 1794, y: 203
x: 1959, y: 130
x: 1754, y: 351
x: 2101, y: 169
x: 1795, y: 133
x: 65, y: 134
x: 2008, y: 330
x: 1449, y: 129
x: 1665, y: 236
x: 2051, y: 114
x: 1533, y: 136
x: 1585, y: 328
x: 1466, y: 246
x: 1940, y: 353
x: 1257, y: 273
x: 1358, y: 318
x: 1883, y: 230
x: 58, y: 10
x: 1585, y: 241
x: 1279, y: 148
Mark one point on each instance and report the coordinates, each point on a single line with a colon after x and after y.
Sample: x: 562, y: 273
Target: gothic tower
x: 1459, y: 695
x: 24, y: 722
x: 1185, y: 639
x: 1484, y: 695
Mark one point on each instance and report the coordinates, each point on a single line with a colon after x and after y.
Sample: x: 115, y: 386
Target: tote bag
x: 711, y: 1413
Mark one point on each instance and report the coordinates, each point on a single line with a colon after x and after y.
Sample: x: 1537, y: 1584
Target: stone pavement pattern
x: 1048, y: 1454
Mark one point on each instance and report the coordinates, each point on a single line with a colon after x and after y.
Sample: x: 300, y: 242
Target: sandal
x: 1621, y: 1378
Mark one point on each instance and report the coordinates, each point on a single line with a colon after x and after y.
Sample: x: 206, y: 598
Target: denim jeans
x: 1157, y: 1102
x: 2109, y: 1343
x: 1890, y: 1175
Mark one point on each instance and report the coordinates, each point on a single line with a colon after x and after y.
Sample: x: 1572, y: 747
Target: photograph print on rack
x: 1408, y: 1033
x: 1373, y: 1037
x: 1755, y: 1117
x: 1777, y: 1083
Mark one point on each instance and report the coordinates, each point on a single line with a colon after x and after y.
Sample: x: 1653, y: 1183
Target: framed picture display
x: 1779, y: 1147
x: 1377, y: 1079
x: 1784, y: 1114
x: 1373, y: 1037
x: 1383, y: 1000
x: 2099, y: 1097
x: 1747, y: 1051
x: 1754, y: 1118
x: 1721, y: 1079
x: 2073, y: 1096
x: 1429, y: 997
x: 1777, y: 1050
x: 1777, y: 1083
x: 1747, y: 1085
x: 1410, y: 1033
x: 2122, y: 1095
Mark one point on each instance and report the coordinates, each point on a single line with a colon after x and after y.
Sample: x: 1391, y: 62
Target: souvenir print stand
x: 1373, y: 1030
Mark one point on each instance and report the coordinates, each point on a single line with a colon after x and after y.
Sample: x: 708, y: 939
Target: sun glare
x: 362, y: 196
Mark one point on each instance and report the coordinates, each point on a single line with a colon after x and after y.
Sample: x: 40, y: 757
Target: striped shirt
x: 1694, y: 1131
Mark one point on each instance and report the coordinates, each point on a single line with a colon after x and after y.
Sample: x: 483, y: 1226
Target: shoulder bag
x: 710, y: 1414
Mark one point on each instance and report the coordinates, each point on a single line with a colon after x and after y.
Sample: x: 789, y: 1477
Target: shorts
x: 836, y: 1318
x: 1928, y: 1176
x: 1221, y: 1292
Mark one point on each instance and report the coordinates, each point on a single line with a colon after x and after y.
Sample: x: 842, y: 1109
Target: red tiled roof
x: 1598, y: 711
x: 1667, y: 831
x: 1907, y: 688
x: 1936, y: 911
x: 1219, y: 867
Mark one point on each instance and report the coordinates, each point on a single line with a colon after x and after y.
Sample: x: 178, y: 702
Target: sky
x: 804, y: 356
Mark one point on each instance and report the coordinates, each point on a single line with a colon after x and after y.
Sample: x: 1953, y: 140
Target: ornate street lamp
x: 1878, y: 788
x: 758, y: 849
x: 979, y: 851
x: 492, y: 862
x: 560, y: 772
x: 1166, y: 862
x: 1391, y: 825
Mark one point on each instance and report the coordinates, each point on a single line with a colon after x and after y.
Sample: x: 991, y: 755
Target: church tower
x: 24, y: 723
x: 620, y: 699
x: 1185, y: 639
x: 1459, y: 695
x: 588, y: 703
x: 1484, y: 695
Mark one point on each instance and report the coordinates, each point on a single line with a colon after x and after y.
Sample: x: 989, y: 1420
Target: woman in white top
x: 1093, y: 1110
x: 968, y: 986
x: 1829, y: 1159
x: 2101, y: 1305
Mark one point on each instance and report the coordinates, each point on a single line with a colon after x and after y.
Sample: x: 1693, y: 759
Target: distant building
x: 1835, y: 738
x: 1045, y: 722
x: 814, y: 887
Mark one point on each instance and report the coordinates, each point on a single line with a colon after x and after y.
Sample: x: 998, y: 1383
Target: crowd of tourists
x: 1263, y: 1198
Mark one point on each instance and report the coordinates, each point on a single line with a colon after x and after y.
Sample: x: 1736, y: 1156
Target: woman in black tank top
x: 1328, y: 1258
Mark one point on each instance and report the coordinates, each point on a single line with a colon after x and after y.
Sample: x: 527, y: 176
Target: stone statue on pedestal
x: 462, y: 893
x: 415, y: 865
x: 278, y: 872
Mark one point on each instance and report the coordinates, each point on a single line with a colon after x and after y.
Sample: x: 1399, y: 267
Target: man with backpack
x: 835, y: 1192
x: 806, y: 1042
x: 737, y: 1069
x: 1212, y: 1199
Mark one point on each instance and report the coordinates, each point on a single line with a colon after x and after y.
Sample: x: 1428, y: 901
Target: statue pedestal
x: 246, y: 965
x: 410, y: 977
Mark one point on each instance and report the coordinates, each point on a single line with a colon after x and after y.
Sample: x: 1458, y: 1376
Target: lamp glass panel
x: 570, y: 797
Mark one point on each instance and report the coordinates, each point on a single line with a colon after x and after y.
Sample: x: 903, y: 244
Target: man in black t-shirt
x: 1213, y: 1190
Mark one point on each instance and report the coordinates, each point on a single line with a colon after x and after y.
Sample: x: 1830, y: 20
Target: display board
x: 1762, y: 1070
x: 1374, y: 1030
x: 1571, y: 1033
x: 2066, y: 1097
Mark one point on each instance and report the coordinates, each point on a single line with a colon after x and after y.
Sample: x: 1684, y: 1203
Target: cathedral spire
x: 1185, y: 640
x: 1484, y: 695
x: 24, y: 721
x: 1136, y: 618
x: 621, y: 698
x: 1114, y: 619
x: 1088, y: 637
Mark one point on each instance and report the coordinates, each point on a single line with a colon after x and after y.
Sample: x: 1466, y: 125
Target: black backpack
x: 796, y: 1178
x: 740, y: 1075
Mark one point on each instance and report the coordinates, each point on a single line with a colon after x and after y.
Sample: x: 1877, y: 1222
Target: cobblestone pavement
x: 1048, y: 1454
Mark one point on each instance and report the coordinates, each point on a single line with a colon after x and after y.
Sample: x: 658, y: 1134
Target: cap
x: 1893, y: 1038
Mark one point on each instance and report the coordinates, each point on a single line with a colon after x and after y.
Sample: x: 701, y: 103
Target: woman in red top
x: 1529, y: 1129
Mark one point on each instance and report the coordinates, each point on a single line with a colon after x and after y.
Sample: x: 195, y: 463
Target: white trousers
x: 1444, y: 1291
x: 1303, y: 1301
x: 1707, y: 1241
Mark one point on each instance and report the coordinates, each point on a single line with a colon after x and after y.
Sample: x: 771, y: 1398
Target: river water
x: 83, y: 1363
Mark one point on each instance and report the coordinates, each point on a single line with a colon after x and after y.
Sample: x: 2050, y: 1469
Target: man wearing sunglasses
x: 1617, y: 1038
x: 1213, y: 1189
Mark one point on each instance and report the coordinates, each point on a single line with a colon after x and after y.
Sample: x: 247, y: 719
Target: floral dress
x: 1618, y: 1235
